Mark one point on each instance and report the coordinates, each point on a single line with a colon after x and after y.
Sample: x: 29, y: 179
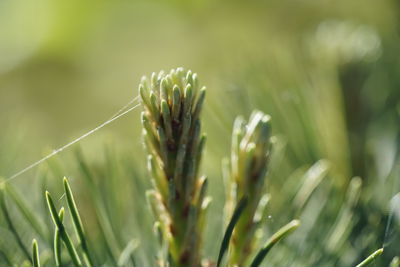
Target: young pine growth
x: 172, y: 135
x: 251, y: 149
x: 251, y: 145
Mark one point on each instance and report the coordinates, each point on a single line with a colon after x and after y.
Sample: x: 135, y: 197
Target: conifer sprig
x: 172, y: 134
x: 250, y: 153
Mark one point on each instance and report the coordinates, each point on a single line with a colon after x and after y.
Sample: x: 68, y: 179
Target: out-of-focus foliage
x: 326, y: 71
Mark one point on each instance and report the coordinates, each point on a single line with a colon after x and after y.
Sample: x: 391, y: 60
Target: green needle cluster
x: 251, y: 145
x: 62, y: 231
x: 61, y: 234
x: 172, y: 134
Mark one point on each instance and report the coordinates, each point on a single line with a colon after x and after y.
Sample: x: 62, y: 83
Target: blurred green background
x: 327, y: 71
